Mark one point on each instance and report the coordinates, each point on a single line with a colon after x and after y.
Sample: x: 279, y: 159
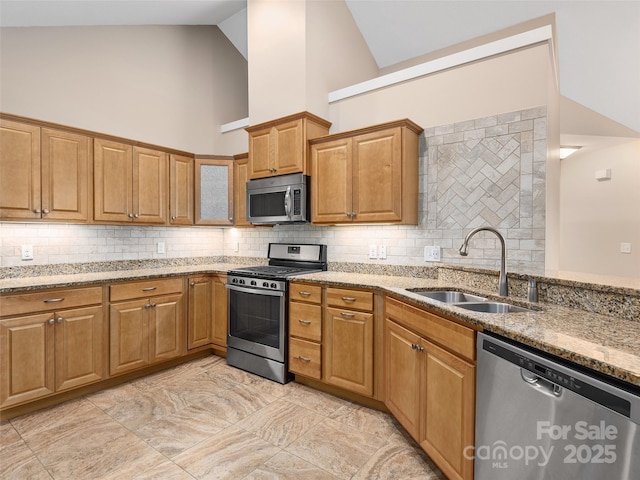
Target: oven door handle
x: 256, y: 291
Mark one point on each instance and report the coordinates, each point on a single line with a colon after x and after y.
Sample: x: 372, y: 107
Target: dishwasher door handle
x: 541, y: 384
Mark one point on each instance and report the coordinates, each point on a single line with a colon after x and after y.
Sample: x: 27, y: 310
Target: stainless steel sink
x: 493, y: 307
x: 449, y: 296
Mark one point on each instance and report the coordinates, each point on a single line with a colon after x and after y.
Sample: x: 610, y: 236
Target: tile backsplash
x: 487, y: 171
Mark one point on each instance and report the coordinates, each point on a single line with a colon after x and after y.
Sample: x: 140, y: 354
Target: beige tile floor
x: 203, y: 420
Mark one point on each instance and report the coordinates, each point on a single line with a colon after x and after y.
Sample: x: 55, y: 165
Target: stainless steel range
x: 258, y: 300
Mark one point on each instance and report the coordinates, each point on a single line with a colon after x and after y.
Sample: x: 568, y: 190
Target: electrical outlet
x: 625, y: 247
x: 27, y: 252
x: 432, y: 253
x: 236, y: 246
x: 161, y: 248
x: 382, y: 252
x: 373, y: 251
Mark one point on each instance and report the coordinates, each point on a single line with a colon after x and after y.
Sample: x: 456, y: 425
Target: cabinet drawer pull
x: 304, y: 359
x: 349, y: 299
x: 53, y: 300
x: 304, y: 322
x: 305, y: 294
x: 348, y: 315
x: 148, y: 289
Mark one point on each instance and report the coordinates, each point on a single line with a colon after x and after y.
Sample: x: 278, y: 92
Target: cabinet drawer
x: 450, y: 335
x: 305, y: 293
x: 49, y: 300
x: 304, y: 358
x: 130, y: 290
x: 305, y: 321
x: 340, y: 297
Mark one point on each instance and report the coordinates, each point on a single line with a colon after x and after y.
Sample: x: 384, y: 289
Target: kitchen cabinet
x: 305, y: 330
x: 280, y: 146
x: 430, y: 383
x: 181, y: 183
x: 366, y: 176
x: 214, y: 191
x: 240, y: 178
x: 147, y: 323
x: 50, y: 342
x: 44, y: 173
x: 130, y: 183
x: 348, y: 340
x: 208, y: 311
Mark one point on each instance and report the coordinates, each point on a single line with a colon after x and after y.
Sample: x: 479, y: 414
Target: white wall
x: 157, y: 84
x: 596, y: 216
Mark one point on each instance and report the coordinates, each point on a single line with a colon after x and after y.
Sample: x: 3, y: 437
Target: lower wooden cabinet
x: 50, y: 352
x: 429, y: 389
x: 145, y: 330
x: 208, y: 311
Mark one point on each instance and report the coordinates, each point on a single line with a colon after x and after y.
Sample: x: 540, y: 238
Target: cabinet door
x: 348, y: 350
x: 214, y: 192
x: 240, y: 178
x: 289, y: 148
x: 166, y: 328
x: 403, y: 376
x: 26, y: 358
x: 149, y: 186
x: 65, y: 175
x: 377, y: 176
x: 129, y: 336
x: 181, y: 190
x: 200, y: 323
x: 220, y: 311
x: 449, y: 404
x: 261, y: 152
x: 331, y: 185
x: 113, y: 187
x: 79, y: 342
x: 19, y: 170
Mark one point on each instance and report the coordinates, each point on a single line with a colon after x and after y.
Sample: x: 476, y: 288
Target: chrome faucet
x: 503, y: 288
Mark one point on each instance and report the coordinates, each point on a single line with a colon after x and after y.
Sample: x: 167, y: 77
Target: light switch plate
x: 432, y: 253
x: 625, y: 247
x: 382, y: 252
x: 161, y: 248
x: 373, y: 251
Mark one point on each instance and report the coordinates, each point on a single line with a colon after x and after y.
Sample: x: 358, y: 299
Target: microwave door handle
x: 287, y: 202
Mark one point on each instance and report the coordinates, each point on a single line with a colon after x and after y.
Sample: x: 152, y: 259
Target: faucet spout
x: 503, y: 287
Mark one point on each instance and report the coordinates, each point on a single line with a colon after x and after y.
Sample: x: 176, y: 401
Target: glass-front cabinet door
x: 214, y: 191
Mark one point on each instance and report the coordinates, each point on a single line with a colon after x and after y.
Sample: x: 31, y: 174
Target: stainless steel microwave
x: 278, y: 200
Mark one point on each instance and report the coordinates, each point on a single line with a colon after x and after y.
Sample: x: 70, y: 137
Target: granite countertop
x: 607, y: 344
x: 16, y: 285
x: 603, y: 343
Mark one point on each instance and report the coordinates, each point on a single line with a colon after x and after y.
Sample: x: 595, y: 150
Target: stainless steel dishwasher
x: 538, y: 417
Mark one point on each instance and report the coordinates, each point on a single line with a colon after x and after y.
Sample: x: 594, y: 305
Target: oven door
x: 257, y: 322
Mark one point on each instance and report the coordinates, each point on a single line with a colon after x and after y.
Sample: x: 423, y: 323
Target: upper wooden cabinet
x: 281, y: 146
x: 366, y: 176
x: 44, y: 173
x: 214, y: 190
x: 130, y: 183
x: 240, y: 178
x: 181, y: 209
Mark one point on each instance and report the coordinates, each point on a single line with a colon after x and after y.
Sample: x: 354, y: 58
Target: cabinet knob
x: 136, y: 215
x: 173, y: 217
x: 130, y: 215
x: 60, y: 319
x: 193, y: 284
x: 51, y: 322
x: 148, y: 305
x: 153, y: 305
x: 45, y: 211
x: 37, y: 210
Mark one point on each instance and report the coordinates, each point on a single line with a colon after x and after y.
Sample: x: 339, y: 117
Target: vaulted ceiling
x: 598, y: 41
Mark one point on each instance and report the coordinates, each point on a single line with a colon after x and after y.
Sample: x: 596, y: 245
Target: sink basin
x: 449, y: 296
x: 493, y: 307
